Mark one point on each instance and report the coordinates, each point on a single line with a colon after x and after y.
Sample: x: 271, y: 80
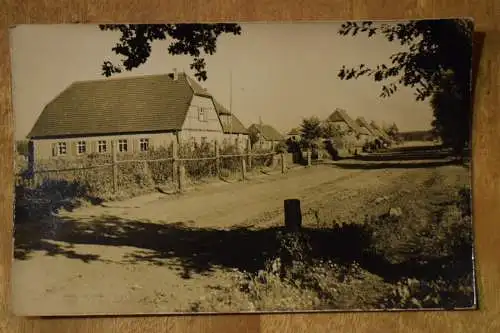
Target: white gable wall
x: 199, y: 127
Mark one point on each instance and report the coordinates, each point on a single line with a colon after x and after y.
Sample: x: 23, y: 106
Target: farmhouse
x: 268, y: 136
x: 354, y: 136
x: 417, y: 136
x: 134, y: 114
x: 381, y: 133
x: 294, y: 135
x: 235, y: 132
x: 366, y: 126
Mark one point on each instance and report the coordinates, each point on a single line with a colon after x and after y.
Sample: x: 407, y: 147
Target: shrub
x: 229, y: 164
x: 411, y: 293
x: 203, y: 162
x: 262, y: 159
x: 281, y: 147
x: 440, y: 251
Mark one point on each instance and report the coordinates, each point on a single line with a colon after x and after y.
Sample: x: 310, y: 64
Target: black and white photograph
x: 242, y: 167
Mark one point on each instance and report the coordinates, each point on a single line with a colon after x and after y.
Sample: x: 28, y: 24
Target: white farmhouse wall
x: 43, y: 147
x: 236, y: 139
x: 196, y: 129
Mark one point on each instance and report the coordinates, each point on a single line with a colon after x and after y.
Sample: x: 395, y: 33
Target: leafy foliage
x: 253, y: 135
x: 22, y: 147
x: 311, y: 130
x: 331, y: 130
x: 187, y: 39
x: 435, y: 60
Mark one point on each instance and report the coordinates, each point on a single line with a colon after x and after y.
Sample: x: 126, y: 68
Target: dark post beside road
x: 293, y: 215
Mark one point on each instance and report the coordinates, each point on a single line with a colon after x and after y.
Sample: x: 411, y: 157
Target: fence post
x: 283, y: 163
x: 243, y: 168
x: 249, y: 154
x: 36, y: 177
x: 175, y: 156
x: 115, y: 166
x: 293, y: 215
x: 181, y: 176
x: 217, y: 159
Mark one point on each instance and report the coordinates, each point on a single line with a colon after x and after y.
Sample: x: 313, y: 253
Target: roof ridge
x: 134, y: 77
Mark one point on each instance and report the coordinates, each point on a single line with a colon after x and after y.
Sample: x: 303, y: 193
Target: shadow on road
x: 198, y: 250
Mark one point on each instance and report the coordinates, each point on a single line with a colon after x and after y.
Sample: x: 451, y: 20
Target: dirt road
x: 102, y: 259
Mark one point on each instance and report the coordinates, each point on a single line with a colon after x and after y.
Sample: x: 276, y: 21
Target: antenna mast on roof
x: 230, y: 101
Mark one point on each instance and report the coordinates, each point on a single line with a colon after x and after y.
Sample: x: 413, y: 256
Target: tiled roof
x: 341, y: 115
x: 236, y: 126
x: 380, y: 131
x: 121, y: 105
x: 268, y: 132
x: 364, y: 124
x: 136, y: 104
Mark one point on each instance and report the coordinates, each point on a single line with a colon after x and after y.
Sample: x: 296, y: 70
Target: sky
x: 280, y: 72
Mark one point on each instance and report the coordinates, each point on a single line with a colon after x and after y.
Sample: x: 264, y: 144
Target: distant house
x: 294, y: 135
x: 353, y: 136
x: 134, y: 114
x: 382, y: 135
x: 268, y: 136
x: 416, y: 136
x: 366, y: 126
x: 235, y: 132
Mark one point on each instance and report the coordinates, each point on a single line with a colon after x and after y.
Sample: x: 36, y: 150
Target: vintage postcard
x: 242, y: 167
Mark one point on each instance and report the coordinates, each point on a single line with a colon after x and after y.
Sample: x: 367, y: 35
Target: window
x: 81, y: 147
x: 122, y: 146
x: 59, y: 149
x: 144, y: 144
x: 203, y: 114
x: 102, y: 146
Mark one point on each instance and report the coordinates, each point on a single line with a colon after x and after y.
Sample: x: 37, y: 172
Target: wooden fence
x: 176, y: 161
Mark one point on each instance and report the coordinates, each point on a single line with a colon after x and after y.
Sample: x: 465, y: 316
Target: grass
x: 402, y: 265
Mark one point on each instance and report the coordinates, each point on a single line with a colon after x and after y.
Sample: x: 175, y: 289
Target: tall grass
x: 428, y: 265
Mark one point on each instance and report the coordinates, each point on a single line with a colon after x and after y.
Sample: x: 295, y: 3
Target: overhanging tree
x: 435, y: 60
x: 195, y: 40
